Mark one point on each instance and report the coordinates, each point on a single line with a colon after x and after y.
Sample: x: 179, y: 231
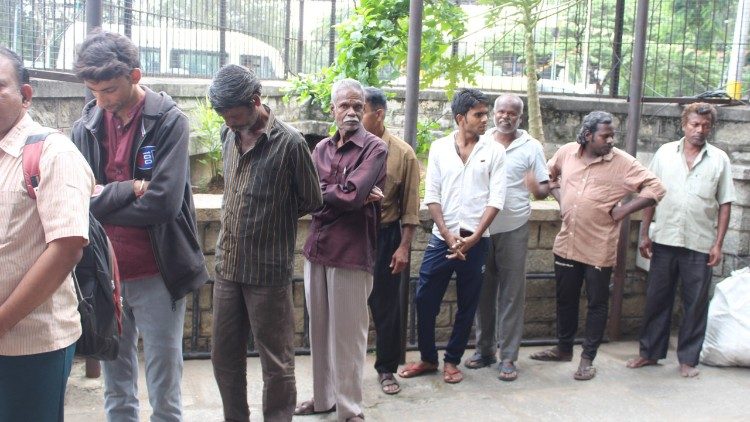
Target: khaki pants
x: 337, y: 305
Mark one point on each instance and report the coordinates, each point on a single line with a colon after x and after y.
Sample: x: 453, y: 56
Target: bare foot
x: 688, y: 371
x: 639, y: 362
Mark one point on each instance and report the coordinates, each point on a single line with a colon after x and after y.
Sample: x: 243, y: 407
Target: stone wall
x: 58, y: 104
x: 540, y: 293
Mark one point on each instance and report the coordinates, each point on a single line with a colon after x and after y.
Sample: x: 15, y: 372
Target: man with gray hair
x: 501, y: 301
x: 340, y: 255
x: 589, y: 179
x: 270, y: 181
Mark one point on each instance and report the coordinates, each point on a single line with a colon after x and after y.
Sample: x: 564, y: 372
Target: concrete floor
x: 543, y: 391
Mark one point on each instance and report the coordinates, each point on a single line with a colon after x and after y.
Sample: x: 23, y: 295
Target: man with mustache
x: 686, y: 240
x: 340, y: 255
x: 589, y: 179
x: 501, y: 301
x: 464, y: 190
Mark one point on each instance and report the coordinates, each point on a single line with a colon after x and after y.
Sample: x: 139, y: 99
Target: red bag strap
x: 30, y: 157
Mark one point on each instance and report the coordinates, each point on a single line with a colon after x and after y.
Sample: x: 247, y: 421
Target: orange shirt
x: 587, y: 195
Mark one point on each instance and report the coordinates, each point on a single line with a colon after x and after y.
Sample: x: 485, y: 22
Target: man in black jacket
x: 136, y: 142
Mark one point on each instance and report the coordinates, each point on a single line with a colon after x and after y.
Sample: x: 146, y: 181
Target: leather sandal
x: 387, y: 380
x: 585, y: 373
x: 552, y: 355
x: 477, y: 361
x: 308, y: 408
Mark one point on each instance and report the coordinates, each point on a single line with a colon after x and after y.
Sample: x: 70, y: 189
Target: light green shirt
x: 687, y: 216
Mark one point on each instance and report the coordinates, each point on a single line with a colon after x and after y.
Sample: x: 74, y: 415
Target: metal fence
x: 582, y: 46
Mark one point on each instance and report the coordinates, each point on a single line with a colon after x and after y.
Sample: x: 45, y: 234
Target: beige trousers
x: 337, y: 305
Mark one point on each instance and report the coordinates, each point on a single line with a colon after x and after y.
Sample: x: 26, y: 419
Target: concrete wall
x: 58, y: 104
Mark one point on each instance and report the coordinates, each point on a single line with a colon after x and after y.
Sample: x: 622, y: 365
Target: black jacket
x: 166, y: 208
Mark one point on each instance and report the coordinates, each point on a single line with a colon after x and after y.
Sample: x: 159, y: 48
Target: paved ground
x: 544, y: 391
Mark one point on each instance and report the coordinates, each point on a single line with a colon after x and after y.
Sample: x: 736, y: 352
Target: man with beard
x: 590, y: 177
x: 340, y: 255
x: 464, y: 190
x: 504, y: 287
x: 688, y: 233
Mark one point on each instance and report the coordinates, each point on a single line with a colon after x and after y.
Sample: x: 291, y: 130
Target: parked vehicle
x: 184, y: 51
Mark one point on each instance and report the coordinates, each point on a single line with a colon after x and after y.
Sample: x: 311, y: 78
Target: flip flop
x: 552, y: 355
x: 477, y: 361
x: 452, y: 375
x: 415, y: 369
x: 508, y: 371
x: 308, y: 408
x: 585, y: 373
x: 386, y: 380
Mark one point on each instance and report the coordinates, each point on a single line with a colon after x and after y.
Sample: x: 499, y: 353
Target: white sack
x: 727, y: 340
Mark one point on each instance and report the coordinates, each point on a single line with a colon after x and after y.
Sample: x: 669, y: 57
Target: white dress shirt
x: 464, y: 190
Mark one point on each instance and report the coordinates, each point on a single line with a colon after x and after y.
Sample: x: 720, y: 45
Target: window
x: 150, y: 60
x: 261, y: 65
x: 194, y: 62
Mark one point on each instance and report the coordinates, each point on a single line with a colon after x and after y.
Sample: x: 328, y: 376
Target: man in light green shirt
x: 685, y: 242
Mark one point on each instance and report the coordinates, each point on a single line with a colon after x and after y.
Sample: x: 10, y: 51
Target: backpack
x: 96, y: 277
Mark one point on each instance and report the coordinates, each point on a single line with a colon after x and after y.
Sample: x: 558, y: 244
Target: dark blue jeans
x: 32, y: 387
x: 434, y: 276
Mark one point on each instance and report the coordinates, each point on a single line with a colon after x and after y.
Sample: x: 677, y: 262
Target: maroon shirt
x: 343, y: 232
x: 135, y: 256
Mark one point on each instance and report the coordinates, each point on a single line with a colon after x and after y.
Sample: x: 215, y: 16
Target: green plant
x: 372, y: 48
x: 206, y: 125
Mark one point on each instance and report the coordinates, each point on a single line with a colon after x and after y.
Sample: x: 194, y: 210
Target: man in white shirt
x: 504, y: 288
x: 464, y: 190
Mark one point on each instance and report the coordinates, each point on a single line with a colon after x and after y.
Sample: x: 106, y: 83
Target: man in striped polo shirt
x: 269, y: 182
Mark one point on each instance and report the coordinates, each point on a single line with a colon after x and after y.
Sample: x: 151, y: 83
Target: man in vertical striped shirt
x: 269, y: 182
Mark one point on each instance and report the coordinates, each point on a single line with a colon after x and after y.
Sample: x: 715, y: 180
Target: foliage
x: 426, y: 130
x: 206, y: 124
x: 372, y: 48
x: 527, y: 14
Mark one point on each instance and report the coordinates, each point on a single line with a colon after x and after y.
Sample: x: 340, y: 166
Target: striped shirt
x: 266, y: 190
x: 27, y: 226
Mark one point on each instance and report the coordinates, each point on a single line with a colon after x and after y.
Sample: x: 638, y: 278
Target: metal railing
x: 582, y: 46
x: 192, y: 350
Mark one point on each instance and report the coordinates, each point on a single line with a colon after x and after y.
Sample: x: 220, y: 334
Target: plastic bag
x: 727, y: 341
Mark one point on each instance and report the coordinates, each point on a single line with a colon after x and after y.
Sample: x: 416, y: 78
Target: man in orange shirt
x: 590, y: 177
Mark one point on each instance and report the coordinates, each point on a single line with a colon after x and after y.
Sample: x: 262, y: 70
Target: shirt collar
x: 15, y: 139
x: 266, y: 130
x: 579, y: 154
x: 357, y: 139
x: 681, y: 147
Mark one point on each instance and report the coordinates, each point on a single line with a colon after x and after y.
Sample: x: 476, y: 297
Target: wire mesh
x: 688, y: 51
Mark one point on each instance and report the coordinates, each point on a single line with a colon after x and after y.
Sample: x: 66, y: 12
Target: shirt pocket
x: 703, y: 186
x: 600, y: 189
x: 10, y: 202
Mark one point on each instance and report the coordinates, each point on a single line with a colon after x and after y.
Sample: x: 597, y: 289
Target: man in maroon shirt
x: 136, y: 142
x: 340, y: 255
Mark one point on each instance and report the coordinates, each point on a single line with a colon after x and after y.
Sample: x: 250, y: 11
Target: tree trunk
x: 536, y: 129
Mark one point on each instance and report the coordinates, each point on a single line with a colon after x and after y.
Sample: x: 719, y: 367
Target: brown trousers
x: 269, y: 312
